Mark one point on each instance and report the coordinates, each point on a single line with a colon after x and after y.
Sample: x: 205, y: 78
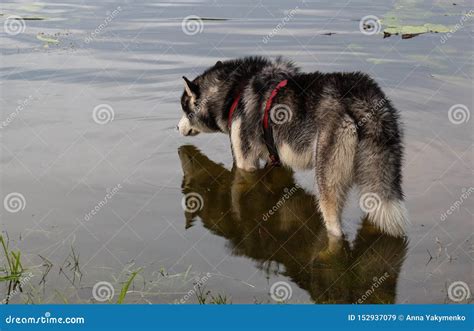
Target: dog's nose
x: 177, y: 127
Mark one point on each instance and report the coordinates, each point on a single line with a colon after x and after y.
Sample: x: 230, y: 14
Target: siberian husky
x: 339, y: 124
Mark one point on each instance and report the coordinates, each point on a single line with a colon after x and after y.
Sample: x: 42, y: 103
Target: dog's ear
x: 218, y: 64
x: 191, y: 88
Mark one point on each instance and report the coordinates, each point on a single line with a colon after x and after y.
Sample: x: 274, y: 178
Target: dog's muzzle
x: 185, y: 129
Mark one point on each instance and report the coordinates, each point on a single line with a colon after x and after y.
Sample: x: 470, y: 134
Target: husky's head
x: 207, y: 98
x: 198, y: 103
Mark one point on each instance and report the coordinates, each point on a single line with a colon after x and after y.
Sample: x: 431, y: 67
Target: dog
x: 339, y: 124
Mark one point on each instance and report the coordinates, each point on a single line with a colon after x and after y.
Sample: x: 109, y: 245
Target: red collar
x: 270, y: 101
x: 232, y: 109
x: 267, y: 106
x: 267, y: 129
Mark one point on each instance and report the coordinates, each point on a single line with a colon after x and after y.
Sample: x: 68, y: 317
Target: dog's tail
x: 378, y: 172
x: 390, y: 216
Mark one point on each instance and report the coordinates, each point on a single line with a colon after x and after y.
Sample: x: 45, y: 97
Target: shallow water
x: 64, y: 163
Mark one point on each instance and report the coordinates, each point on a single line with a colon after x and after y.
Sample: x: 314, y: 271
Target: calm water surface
x: 134, y: 170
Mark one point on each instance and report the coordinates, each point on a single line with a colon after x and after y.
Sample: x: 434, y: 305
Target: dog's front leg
x: 245, y: 156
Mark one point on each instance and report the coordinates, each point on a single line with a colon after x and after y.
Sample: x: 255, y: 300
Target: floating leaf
x: 46, y: 39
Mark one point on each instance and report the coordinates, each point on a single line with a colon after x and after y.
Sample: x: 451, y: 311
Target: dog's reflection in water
x: 268, y: 218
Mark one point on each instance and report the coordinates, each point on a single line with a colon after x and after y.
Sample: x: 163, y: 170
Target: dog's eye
x: 185, y: 106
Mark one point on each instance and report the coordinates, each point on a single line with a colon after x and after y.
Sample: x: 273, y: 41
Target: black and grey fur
x: 340, y: 124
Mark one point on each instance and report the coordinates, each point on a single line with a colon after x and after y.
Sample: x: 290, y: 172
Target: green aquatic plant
x: 220, y: 299
x: 123, y: 292
x: 13, y: 270
x: 47, y: 39
x: 405, y: 30
x: 205, y: 297
x: 410, y: 18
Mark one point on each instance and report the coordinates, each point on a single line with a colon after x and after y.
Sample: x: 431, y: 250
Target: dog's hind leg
x: 335, y: 152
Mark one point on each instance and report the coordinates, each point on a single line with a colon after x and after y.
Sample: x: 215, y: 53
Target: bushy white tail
x: 391, y: 217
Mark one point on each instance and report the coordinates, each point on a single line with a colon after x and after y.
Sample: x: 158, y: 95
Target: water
x: 134, y: 170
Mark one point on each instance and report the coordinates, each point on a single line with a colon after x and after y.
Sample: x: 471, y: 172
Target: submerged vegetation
x: 125, y: 286
x: 206, y: 297
x: 12, y: 271
x: 15, y: 276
